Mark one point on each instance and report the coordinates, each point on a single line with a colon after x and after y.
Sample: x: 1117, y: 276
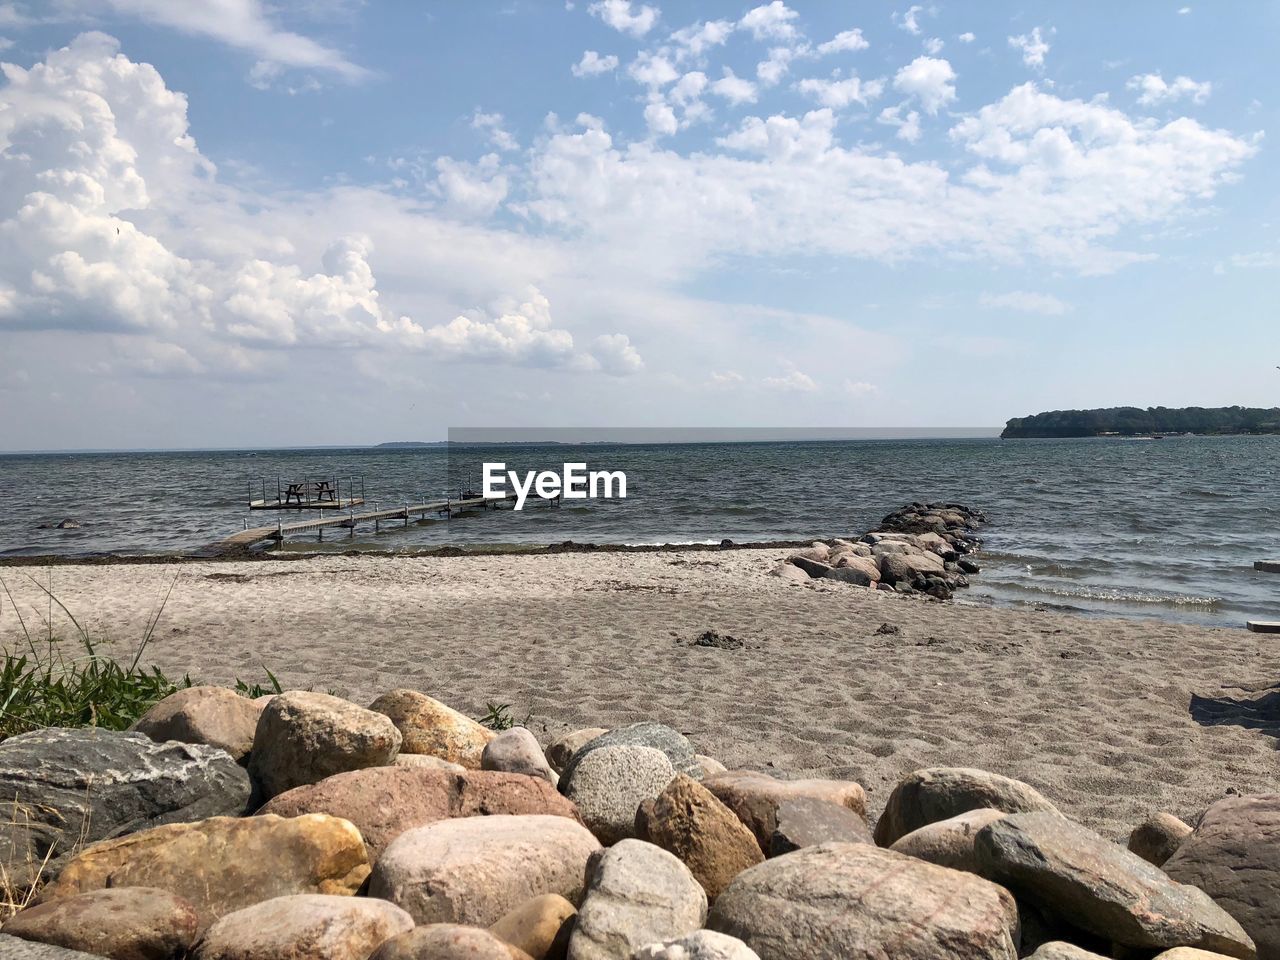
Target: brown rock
x: 130, y: 923
x: 304, y: 927
x: 710, y: 765
x: 687, y: 820
x: 217, y: 716
x: 1234, y: 856
x: 561, y: 752
x: 475, y: 870
x: 806, y: 822
x: 939, y: 793
x: 540, y: 927
x: 948, y: 843
x: 1061, y: 950
x: 1190, y: 953
x: 428, y: 726
x: 447, y: 941
x: 754, y: 797
x: 383, y: 802
x: 425, y: 760
x: 304, y: 737
x: 1159, y: 838
x: 224, y: 864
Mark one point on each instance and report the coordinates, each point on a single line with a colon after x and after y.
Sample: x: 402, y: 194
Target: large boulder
x: 303, y: 737
x: 609, y: 784
x: 948, y: 843
x: 801, y: 822
x: 1234, y: 856
x: 647, y: 734
x: 754, y: 798
x: 1102, y: 888
x: 428, y: 726
x: 62, y: 788
x: 907, y: 567
x: 517, y: 751
x: 224, y: 864
x: 699, y: 945
x: 939, y: 793
x: 447, y: 941
x: 540, y: 927
x: 1158, y: 838
x: 687, y: 820
x: 1061, y: 950
x: 847, y: 901
x: 217, y: 716
x: 561, y: 751
x: 474, y: 870
x: 636, y: 894
x: 384, y: 802
x: 304, y: 927
x: 14, y: 948
x: 129, y: 923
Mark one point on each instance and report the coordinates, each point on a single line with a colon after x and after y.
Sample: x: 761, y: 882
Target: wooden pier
x: 1265, y: 626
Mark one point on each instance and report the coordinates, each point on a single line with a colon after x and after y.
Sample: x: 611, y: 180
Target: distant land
x: 1137, y: 422
x: 402, y: 444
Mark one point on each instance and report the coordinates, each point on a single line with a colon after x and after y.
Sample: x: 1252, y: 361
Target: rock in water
x: 304, y: 737
x: 939, y: 793
x: 846, y: 901
x: 139, y: 923
x: 948, y: 843
x: 517, y: 751
x: 540, y: 927
x: 1159, y: 838
x: 447, y: 941
x: 304, y: 927
x: 384, y: 802
x: 428, y: 726
x: 217, y: 716
x: 687, y: 820
x: 699, y: 945
x: 755, y: 797
x: 474, y: 870
x: 561, y: 752
x: 225, y: 863
x: 1234, y: 856
x: 656, y: 735
x: 608, y: 785
x: 1102, y: 888
x: 136, y: 784
x: 636, y: 894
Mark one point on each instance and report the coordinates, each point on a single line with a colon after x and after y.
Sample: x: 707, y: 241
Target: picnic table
x: 310, y: 491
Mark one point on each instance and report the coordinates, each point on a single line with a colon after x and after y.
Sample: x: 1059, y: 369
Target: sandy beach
x: 1104, y: 716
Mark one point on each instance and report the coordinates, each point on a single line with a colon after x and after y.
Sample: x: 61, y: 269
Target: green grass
x: 499, y: 717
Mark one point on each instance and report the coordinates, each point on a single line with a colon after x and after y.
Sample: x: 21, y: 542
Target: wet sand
x: 1106, y: 717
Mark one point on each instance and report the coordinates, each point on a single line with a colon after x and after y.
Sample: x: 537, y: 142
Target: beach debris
x: 608, y: 785
x: 562, y: 750
x: 303, y: 737
x: 216, y: 716
x: 1158, y: 838
x: 124, y: 922
x: 305, y: 926
x: 476, y: 870
x: 756, y: 798
x: 636, y: 893
x: 688, y: 821
x: 807, y: 821
x: 517, y: 750
x: 67, y: 524
x: 428, y: 726
x: 888, y: 630
x: 540, y: 926
x: 720, y: 641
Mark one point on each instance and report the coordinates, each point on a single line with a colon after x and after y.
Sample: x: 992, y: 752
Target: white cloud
x: 728, y: 378
x: 860, y: 388
x: 929, y: 80
x: 244, y: 24
x: 848, y: 40
x: 698, y: 38
x: 839, y: 94
x: 733, y: 88
x: 491, y: 123
x: 908, y: 126
x: 624, y: 17
x: 933, y: 46
x: 615, y: 355
x: 909, y: 21
x: 471, y: 189
x: 967, y: 37
x: 771, y: 21
x: 784, y: 138
x: 771, y: 71
x: 1183, y: 11
x: 1033, y: 46
x: 661, y: 119
x: 653, y: 70
x: 1025, y: 302
x: 592, y: 64
x: 792, y: 382
x: 5, y: 43
x: 1154, y: 89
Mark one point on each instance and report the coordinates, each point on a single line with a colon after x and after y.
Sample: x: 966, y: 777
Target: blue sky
x: 331, y: 221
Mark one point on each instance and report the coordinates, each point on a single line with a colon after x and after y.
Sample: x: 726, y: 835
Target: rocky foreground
x: 304, y: 826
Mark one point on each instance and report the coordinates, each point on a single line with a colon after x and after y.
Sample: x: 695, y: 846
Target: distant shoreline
x: 1156, y: 422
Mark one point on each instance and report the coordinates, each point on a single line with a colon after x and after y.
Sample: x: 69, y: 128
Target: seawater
x: 1166, y: 528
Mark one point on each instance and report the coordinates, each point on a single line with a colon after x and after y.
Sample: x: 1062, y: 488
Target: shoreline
x: 1113, y: 719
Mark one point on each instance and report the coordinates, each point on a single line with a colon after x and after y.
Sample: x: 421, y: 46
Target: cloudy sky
x: 235, y: 222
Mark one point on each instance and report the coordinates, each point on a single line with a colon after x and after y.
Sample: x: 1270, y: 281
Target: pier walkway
x: 1265, y: 626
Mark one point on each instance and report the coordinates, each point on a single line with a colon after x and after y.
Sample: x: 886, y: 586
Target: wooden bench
x: 310, y: 491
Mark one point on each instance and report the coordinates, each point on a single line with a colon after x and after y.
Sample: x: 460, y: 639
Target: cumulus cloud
x: 1154, y: 89
x: 1025, y: 302
x: 733, y: 88
x: 653, y: 70
x: 471, y: 189
x: 1033, y: 46
x: 929, y: 80
x: 491, y: 124
x: 908, y: 124
x: 794, y: 381
x: 860, y: 388
x: 909, y: 20
x: 625, y: 17
x: 592, y: 64
x: 933, y: 46
x: 771, y: 71
x: 770, y: 21
x: 967, y: 37
x: 839, y: 94
x: 848, y: 40
x: 696, y: 39
x: 614, y: 354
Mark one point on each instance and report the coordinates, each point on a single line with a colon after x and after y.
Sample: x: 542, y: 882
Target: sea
x: 1166, y: 528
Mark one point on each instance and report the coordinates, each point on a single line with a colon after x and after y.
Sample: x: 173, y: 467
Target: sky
x: 245, y: 223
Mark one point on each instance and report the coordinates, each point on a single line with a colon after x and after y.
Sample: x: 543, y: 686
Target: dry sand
x: 1096, y: 713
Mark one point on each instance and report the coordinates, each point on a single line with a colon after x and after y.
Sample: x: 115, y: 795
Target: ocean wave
x: 1115, y: 594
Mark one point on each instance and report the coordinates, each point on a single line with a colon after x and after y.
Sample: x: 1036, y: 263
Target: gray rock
x: 137, y: 923
x: 846, y: 901
x: 1234, y: 856
x: 304, y: 927
x: 948, y: 843
x: 939, y: 793
x: 1100, y: 887
x: 304, y: 737
x: 906, y: 567
x: 814, y: 568
x: 647, y: 734
x: 1156, y: 840
x: 517, y: 751
x: 699, y: 945
x: 14, y: 948
x: 91, y: 784
x: 636, y: 893
x: 807, y: 821
x: 217, y: 716
x: 561, y: 751
x: 755, y: 797
x: 609, y: 784
x: 1061, y: 950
